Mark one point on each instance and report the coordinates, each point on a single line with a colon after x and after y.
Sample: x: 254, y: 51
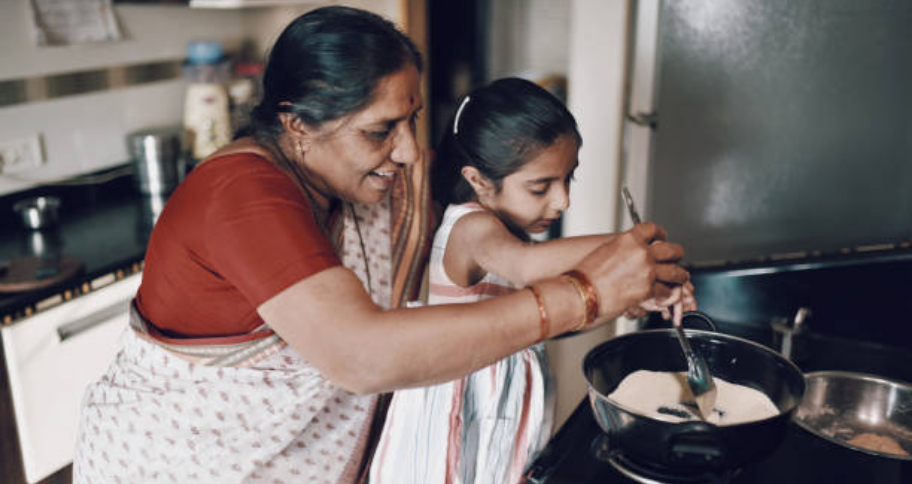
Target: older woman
x: 271, y: 312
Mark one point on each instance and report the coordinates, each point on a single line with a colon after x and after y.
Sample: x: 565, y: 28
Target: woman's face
x: 357, y: 157
x: 533, y: 197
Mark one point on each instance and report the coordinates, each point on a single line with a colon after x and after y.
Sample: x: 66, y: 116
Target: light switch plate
x: 21, y: 154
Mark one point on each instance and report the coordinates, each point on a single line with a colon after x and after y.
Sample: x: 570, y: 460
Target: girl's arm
x: 480, y: 243
x: 332, y: 323
x: 481, y: 240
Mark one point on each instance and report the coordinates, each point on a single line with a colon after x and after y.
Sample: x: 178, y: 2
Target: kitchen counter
x: 106, y: 225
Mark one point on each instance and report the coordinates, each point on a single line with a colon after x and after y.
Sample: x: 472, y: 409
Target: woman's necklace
x: 321, y: 214
x: 367, y: 272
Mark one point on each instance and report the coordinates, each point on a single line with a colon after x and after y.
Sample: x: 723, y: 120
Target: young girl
x: 504, y: 167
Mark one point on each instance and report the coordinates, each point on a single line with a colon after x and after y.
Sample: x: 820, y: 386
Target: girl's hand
x: 673, y: 307
x: 687, y: 303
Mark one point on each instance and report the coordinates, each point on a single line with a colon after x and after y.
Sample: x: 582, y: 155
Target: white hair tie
x: 458, y: 114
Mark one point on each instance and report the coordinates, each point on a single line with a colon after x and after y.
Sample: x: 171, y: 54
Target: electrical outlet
x: 21, y: 155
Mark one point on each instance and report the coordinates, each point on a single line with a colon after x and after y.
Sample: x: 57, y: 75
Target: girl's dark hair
x: 326, y: 64
x: 501, y: 127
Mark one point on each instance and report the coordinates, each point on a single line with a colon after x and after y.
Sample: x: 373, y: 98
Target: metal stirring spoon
x: 699, y: 379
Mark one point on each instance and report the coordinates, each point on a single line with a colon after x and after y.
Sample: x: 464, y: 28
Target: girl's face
x: 356, y: 158
x: 533, y: 197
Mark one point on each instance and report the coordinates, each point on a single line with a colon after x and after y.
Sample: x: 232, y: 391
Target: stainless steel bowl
x: 839, y: 406
x: 38, y: 212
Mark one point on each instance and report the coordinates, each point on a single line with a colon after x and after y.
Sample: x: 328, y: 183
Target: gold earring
x: 301, y: 149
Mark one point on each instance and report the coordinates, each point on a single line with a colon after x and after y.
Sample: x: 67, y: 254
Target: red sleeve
x: 262, y: 235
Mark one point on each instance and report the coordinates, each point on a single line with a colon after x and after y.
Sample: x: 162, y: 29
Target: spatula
x: 699, y: 379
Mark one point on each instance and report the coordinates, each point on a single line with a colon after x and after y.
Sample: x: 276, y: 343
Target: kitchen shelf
x: 230, y: 4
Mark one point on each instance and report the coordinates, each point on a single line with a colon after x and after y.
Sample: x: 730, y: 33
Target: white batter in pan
x: 665, y: 396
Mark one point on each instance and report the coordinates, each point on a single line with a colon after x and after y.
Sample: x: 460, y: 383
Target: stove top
x: 578, y: 454
x: 839, y: 338
x: 106, y: 226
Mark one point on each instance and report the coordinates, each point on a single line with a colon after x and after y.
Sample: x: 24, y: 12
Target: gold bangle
x: 582, y: 294
x: 592, y: 302
x: 542, y: 314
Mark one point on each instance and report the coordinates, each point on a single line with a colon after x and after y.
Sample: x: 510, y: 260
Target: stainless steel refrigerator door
x: 783, y: 125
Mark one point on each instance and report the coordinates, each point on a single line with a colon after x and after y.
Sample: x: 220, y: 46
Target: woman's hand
x: 636, y: 266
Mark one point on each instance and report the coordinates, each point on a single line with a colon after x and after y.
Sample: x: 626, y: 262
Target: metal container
x: 840, y: 406
x: 157, y: 159
x: 38, y: 212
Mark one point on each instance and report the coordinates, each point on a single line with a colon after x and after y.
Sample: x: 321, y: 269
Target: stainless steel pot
x: 840, y: 406
x: 157, y: 161
x: 38, y: 212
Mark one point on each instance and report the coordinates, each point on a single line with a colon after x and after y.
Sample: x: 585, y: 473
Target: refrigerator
x: 776, y: 128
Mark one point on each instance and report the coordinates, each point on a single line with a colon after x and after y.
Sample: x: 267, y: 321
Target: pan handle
x: 601, y: 449
x: 702, y: 317
x: 695, y: 444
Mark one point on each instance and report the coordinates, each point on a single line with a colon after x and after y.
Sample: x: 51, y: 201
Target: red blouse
x: 236, y: 232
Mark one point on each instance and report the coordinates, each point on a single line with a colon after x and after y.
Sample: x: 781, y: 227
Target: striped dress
x: 484, y: 428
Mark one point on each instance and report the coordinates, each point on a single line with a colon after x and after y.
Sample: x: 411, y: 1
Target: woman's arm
x: 481, y: 239
x: 331, y: 322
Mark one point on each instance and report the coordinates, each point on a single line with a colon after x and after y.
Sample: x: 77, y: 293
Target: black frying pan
x: 694, y: 446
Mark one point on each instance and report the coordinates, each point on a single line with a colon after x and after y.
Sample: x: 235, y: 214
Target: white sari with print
x: 240, y: 409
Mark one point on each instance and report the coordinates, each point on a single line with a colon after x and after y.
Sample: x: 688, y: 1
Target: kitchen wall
x: 596, y: 81
x: 263, y: 25
x: 585, y: 41
x: 86, y: 132
x: 528, y: 37
x: 83, y: 133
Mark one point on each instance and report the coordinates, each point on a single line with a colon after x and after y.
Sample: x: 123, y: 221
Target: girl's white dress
x: 484, y: 428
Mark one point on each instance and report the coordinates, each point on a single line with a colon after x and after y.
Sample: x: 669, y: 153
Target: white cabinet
x: 51, y: 357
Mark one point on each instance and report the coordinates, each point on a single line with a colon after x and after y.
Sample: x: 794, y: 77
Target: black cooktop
x: 802, y: 458
x: 575, y: 453
x: 106, y: 225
